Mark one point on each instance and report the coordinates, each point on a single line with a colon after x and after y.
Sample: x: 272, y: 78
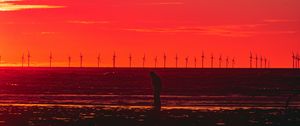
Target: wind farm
x: 255, y: 62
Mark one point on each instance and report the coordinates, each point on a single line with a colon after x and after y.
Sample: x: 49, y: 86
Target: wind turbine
x: 23, y: 58
x: 298, y: 59
x: 99, y: 59
x: 261, y: 62
x: 220, y: 61
x: 227, y: 62
x: 269, y: 63
x: 69, y: 58
x: 144, y: 60
x: 176, y: 60
x: 165, y: 60
x: 202, y: 59
x: 81, y: 60
x: 233, y: 62
x: 265, y: 62
x: 130, y: 60
x: 212, y: 60
x: 251, y: 59
x: 294, y: 57
x: 155, y: 61
x: 114, y: 60
x: 186, y: 62
x: 28, y: 58
x: 256, y: 61
x: 195, y: 61
x: 50, y: 59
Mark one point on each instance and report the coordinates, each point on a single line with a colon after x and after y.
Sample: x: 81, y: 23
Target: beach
x: 123, y: 96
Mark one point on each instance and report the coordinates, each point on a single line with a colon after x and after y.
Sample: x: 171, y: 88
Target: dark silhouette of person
x: 289, y: 99
x: 156, y: 83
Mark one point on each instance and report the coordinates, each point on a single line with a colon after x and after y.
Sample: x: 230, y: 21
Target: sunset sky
x: 230, y: 28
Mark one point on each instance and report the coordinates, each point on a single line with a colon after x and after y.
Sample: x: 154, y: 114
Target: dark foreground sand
x: 62, y: 116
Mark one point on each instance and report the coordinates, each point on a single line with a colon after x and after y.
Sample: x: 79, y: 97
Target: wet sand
x: 126, y: 116
x: 109, y: 97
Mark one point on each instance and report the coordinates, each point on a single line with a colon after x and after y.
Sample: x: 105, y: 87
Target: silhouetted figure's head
x: 153, y: 74
x: 156, y: 82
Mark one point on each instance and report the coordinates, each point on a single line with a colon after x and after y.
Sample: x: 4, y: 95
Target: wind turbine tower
x: 176, y: 61
x: 114, y: 60
x: 165, y: 60
x: 233, y: 62
x: 256, y: 61
x: 251, y: 59
x: 28, y: 58
x: 298, y: 58
x: 227, y: 62
x: 186, y: 62
x: 99, y: 60
x: 23, y: 58
x: 265, y: 62
x: 202, y: 59
x: 220, y: 61
x: 69, y: 58
x: 144, y: 60
x: 50, y: 59
x: 155, y: 62
x: 212, y: 60
x: 195, y: 61
x: 130, y: 60
x: 81, y: 59
x: 261, y: 62
x: 294, y: 57
x: 296, y: 61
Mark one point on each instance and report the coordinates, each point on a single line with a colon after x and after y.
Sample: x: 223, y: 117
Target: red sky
x: 232, y: 28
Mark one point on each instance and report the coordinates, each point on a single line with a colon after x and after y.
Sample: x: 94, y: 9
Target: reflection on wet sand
x: 107, y: 107
x: 168, y: 101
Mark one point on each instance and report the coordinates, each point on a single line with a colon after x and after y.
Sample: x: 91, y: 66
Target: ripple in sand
x: 62, y: 119
x: 253, y: 121
x: 220, y: 124
x: 87, y: 115
x: 141, y: 120
x: 268, y: 123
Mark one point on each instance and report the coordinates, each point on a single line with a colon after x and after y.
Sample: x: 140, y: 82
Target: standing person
x: 156, y: 83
